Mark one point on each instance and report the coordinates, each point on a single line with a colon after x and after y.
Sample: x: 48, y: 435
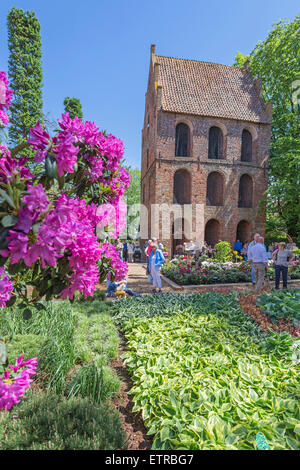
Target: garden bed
x: 69, y: 405
x: 206, y: 377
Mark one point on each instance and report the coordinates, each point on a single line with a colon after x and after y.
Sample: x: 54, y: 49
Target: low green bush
x: 52, y: 422
x: 96, y: 383
x: 28, y: 345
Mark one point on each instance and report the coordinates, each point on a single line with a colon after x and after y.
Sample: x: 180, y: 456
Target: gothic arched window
x: 182, y: 140
x: 182, y: 187
x: 214, y: 189
x: 215, y: 143
x: 246, y: 155
x: 245, y: 191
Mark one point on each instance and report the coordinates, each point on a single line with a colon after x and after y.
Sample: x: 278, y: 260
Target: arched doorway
x: 212, y: 232
x: 243, y: 231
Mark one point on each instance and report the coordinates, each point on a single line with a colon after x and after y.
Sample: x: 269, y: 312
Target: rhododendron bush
x: 51, y: 219
x: 15, y: 381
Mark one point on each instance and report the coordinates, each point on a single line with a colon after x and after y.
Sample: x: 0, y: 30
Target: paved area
x: 138, y: 282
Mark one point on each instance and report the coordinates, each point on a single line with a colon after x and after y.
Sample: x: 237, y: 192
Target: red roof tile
x: 208, y: 89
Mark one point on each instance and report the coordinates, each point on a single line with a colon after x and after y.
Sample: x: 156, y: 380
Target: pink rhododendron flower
x: 11, y: 167
x: 37, y: 200
x: 13, y: 387
x: 17, y: 246
x: 113, y: 216
x: 5, y: 98
x: 121, y: 267
x: 6, y: 288
x: 39, y: 141
x: 65, y: 153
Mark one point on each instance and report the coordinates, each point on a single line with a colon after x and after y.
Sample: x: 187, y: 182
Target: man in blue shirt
x: 238, y: 246
x: 257, y: 254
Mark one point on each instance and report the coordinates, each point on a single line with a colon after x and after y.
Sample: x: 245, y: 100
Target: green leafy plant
x: 284, y: 304
x: 206, y: 377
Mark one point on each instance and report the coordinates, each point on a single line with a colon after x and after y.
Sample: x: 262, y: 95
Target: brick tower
x: 205, y: 148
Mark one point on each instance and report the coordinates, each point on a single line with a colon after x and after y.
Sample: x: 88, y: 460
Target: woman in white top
x: 282, y: 257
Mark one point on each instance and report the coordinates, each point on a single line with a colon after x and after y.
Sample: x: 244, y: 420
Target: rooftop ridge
x: 199, y: 62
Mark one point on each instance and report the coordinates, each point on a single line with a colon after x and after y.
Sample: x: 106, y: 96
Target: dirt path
x: 132, y: 422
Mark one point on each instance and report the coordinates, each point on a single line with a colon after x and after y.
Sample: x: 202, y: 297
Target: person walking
x: 125, y: 251
x: 156, y: 261
x: 148, y: 253
x: 130, y: 252
x: 251, y: 244
x: 282, y: 257
x: 257, y: 254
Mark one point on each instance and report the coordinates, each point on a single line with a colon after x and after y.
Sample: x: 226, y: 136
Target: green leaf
x: 27, y: 314
x: 7, y: 198
x: 9, y: 221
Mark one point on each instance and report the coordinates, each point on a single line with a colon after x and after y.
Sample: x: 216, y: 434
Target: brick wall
x: 158, y: 177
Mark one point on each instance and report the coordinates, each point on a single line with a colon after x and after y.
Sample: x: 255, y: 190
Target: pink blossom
x: 6, y: 287
x: 39, y: 141
x: 65, y: 153
x: 11, y: 167
x: 5, y: 98
x: 12, y: 388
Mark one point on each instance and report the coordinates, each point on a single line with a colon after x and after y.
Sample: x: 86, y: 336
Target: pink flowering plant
x: 15, y: 381
x: 49, y: 235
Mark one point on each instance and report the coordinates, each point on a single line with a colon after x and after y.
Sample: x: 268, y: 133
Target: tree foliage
x: 276, y: 61
x: 133, y: 198
x: 73, y: 107
x: 25, y: 73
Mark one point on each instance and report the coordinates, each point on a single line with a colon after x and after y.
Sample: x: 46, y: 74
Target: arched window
x: 245, y: 191
x: 243, y: 231
x: 214, y: 189
x: 215, y: 143
x: 182, y: 187
x: 246, y: 155
x: 212, y: 232
x: 182, y: 140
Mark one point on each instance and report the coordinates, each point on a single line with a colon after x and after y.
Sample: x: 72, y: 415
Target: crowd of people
x: 254, y: 252
x: 129, y: 251
x: 258, y: 256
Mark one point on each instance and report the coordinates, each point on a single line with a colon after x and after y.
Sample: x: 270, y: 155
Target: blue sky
x: 98, y: 50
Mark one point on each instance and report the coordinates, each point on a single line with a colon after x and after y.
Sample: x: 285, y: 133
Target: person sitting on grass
x: 156, y: 261
x: 119, y: 289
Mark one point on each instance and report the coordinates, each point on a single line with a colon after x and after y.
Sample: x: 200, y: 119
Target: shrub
x: 223, y: 252
x: 48, y: 422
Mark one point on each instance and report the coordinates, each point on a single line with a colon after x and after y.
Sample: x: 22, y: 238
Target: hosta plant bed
x: 206, y: 377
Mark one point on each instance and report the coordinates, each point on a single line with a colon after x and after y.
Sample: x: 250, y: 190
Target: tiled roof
x: 207, y: 89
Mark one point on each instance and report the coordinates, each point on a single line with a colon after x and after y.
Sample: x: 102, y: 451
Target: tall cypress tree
x: 25, y: 73
x: 73, y: 107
